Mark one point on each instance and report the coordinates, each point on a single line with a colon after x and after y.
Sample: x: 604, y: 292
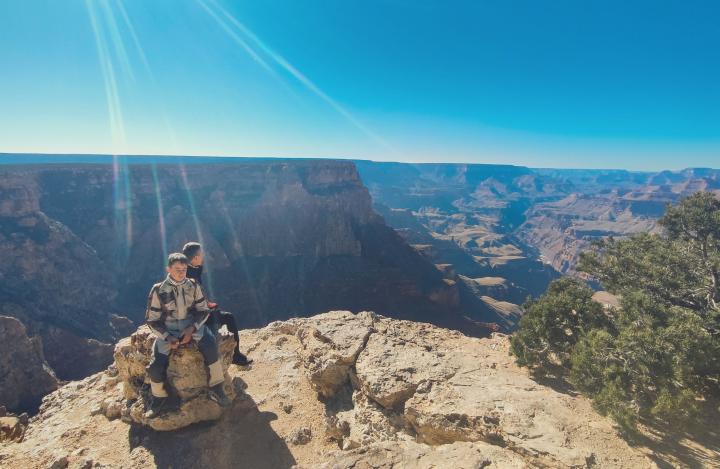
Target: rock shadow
x: 691, y: 446
x: 242, y: 437
x: 555, y: 378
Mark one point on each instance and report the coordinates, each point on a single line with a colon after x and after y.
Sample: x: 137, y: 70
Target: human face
x: 177, y: 271
x: 198, y: 259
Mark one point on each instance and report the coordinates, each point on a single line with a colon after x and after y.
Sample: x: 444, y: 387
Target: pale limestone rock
x: 301, y: 436
x: 12, y: 427
x: 439, y: 387
x: 330, y: 346
x: 186, y: 379
x: 408, y: 454
x: 486, y: 413
x: 389, y: 369
x: 365, y: 423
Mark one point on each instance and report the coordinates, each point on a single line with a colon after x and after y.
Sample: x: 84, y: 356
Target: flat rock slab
x: 389, y: 369
x: 386, y: 455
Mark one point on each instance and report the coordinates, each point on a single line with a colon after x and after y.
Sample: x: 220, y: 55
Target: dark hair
x: 191, y: 249
x: 177, y: 257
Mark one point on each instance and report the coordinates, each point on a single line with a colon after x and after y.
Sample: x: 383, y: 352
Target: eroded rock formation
x: 186, y: 382
x: 343, y: 390
x: 12, y: 427
x: 25, y: 376
x: 54, y: 282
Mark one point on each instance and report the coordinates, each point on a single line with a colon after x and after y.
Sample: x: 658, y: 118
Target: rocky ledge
x: 186, y: 382
x: 342, y: 390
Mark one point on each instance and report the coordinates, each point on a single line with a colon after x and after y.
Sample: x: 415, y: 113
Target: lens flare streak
x: 161, y: 212
x: 238, y: 249
x: 196, y: 221
x: 284, y: 64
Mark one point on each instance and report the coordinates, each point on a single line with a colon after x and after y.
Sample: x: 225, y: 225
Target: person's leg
x: 157, y: 369
x: 157, y: 372
x: 209, y: 349
x: 212, y: 321
x: 228, y: 320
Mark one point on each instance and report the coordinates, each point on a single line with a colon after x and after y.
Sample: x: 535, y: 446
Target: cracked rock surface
x: 186, y: 382
x: 344, y: 390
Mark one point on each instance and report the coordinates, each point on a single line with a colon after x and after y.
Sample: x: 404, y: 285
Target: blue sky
x: 600, y: 84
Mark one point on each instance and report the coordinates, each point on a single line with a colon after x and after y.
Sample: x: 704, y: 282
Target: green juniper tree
x: 658, y: 354
x: 554, y: 323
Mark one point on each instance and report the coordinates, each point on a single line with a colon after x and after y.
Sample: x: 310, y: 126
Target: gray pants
x: 207, y: 345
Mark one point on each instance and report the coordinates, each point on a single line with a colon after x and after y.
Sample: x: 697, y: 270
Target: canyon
x: 457, y: 245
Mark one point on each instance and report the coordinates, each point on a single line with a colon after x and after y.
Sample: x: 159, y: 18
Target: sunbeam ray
x: 117, y: 128
x: 287, y: 66
x: 166, y: 122
x: 247, y: 48
x: 122, y: 202
x: 134, y: 36
x: 242, y: 43
x: 161, y: 212
x: 128, y: 205
x: 116, y: 39
x: 240, y: 253
x: 196, y: 221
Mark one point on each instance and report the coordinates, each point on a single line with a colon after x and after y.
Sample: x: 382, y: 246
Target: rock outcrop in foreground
x: 186, y: 379
x: 338, y: 391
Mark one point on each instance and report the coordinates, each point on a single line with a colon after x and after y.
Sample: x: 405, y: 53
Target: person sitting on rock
x: 176, y: 313
x: 193, y: 251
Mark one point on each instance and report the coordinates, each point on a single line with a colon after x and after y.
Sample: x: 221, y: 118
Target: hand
x: 174, y: 342
x: 187, y: 334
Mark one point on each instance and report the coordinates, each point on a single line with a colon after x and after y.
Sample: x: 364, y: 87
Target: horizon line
x: 345, y: 158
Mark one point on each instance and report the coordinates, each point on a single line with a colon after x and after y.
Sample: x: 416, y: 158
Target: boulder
x: 389, y: 369
x: 415, y: 383
x: 12, y: 427
x: 186, y: 382
x: 26, y: 376
x: 330, y: 347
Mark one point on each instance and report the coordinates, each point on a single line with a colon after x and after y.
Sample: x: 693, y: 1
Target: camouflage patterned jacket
x: 172, y: 306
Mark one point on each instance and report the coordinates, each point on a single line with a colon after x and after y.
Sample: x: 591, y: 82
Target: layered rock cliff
x: 521, y: 224
x: 85, y: 239
x: 53, y: 281
x: 340, y: 390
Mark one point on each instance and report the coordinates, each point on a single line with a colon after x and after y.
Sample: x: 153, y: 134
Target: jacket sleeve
x: 200, y: 309
x: 154, y: 316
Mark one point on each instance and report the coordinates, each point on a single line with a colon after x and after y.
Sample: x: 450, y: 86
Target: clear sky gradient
x: 552, y: 83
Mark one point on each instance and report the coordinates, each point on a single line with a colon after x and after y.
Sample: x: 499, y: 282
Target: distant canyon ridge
x: 457, y: 245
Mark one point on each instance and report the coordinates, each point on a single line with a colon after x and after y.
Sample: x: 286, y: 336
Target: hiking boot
x: 217, y: 394
x: 156, y: 407
x: 240, y: 359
